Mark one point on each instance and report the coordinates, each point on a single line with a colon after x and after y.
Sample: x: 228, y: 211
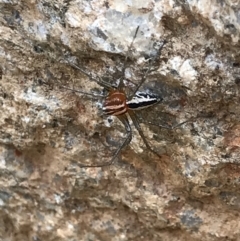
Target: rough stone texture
x: 47, y: 132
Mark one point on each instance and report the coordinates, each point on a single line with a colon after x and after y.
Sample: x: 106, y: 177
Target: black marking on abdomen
x: 143, y: 100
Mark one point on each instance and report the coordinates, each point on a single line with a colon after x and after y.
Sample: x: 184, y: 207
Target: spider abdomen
x: 143, y: 100
x: 115, y: 103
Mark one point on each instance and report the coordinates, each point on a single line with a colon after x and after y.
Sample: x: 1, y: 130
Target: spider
x: 118, y: 104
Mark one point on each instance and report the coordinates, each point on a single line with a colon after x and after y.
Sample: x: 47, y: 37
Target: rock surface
x: 189, y: 191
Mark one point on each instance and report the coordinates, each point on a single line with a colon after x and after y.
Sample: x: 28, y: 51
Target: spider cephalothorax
x: 115, y: 103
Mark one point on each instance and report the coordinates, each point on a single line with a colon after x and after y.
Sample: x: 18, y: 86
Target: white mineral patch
x: 212, y: 62
x: 65, y: 38
x: 42, y: 31
x: 32, y: 97
x: 176, y: 63
x: 73, y: 19
x: 2, y: 163
x: 37, y: 99
x: 1, y: 203
x: 39, y: 29
x: 184, y: 68
x: 187, y: 71
x: 58, y: 198
x: 114, y: 32
x: 25, y: 119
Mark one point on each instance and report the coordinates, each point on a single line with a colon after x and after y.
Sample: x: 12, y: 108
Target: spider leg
x: 85, y: 93
x: 129, y: 48
x: 144, y: 77
x: 138, y: 127
x: 98, y: 80
x: 124, y: 120
x: 169, y: 127
x: 121, y: 85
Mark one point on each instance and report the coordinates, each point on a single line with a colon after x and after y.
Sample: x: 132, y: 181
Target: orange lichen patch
x: 232, y: 137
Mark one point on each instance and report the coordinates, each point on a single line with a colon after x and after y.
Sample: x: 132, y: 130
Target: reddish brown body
x: 115, y: 104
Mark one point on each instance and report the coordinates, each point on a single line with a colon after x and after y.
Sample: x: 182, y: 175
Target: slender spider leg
x: 91, y: 77
x: 138, y: 127
x: 144, y: 77
x: 99, y: 80
x: 85, y: 93
x: 129, y: 48
x: 121, y: 85
x: 124, y: 120
x: 168, y: 127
